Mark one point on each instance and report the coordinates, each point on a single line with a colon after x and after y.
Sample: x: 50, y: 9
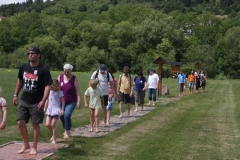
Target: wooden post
x: 198, y: 66
x: 160, y: 61
x: 160, y: 80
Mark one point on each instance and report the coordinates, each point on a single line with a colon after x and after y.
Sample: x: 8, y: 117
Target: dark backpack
x: 96, y: 76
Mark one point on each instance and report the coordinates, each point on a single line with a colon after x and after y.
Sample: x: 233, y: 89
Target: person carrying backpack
x: 104, y: 77
x: 125, y: 89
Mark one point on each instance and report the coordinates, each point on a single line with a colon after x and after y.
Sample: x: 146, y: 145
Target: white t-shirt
x: 103, y: 81
x: 153, y: 80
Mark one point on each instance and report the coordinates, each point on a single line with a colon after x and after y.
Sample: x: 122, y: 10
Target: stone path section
x: 115, y: 123
x: 9, y: 150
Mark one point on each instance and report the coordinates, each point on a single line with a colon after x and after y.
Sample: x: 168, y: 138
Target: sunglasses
x: 31, y: 53
x: 66, y: 72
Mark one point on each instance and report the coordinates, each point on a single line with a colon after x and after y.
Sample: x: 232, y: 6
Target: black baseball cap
x: 34, y: 49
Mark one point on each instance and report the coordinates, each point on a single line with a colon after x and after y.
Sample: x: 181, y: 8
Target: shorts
x: 26, y: 111
x: 105, y: 98
x: 54, y: 117
x: 125, y: 98
x: 139, y: 96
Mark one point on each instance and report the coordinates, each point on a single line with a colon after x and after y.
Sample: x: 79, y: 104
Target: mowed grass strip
x: 198, y: 126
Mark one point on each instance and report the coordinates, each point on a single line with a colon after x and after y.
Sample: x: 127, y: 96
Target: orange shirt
x: 191, y: 78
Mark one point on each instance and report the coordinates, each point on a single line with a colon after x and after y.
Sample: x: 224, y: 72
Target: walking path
x: 115, y: 123
x: 8, y: 151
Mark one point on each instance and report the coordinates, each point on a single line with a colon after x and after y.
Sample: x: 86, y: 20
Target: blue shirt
x: 181, y: 78
x: 139, y: 83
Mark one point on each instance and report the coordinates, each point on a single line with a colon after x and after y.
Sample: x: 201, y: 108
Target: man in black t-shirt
x: 34, y: 79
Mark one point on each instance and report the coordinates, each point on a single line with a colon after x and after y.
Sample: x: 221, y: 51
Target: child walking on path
x: 96, y: 101
x: 54, y: 107
x: 3, y: 111
x: 112, y: 96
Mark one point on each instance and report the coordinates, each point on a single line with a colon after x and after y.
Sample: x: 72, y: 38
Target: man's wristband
x: 15, y: 95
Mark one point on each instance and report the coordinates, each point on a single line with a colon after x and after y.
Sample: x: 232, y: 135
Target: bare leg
x: 36, y: 133
x: 120, y: 109
x: 54, y: 133
x: 91, y: 119
x: 129, y: 107
x: 104, y: 115
x: 96, y: 119
x: 108, y: 117
x: 149, y: 103
x: 136, y: 106
x: 48, y: 125
x: 24, y: 134
x: 66, y: 134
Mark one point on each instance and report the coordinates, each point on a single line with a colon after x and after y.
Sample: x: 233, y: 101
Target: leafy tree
x: 82, y: 8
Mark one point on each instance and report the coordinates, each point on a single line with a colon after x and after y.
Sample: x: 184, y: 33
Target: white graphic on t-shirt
x: 30, y: 82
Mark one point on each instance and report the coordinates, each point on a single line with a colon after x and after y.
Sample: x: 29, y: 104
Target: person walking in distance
x: 111, y: 97
x: 153, y: 80
x: 140, y: 86
x: 104, y: 80
x: 181, y: 82
x: 34, y: 79
x: 125, y: 90
x: 191, y: 80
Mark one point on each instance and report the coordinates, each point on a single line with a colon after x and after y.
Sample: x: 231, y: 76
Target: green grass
x: 198, y: 126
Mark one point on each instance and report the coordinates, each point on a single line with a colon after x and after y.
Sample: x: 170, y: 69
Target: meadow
x: 200, y: 126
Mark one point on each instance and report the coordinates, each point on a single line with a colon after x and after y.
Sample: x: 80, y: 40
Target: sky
x: 11, y: 1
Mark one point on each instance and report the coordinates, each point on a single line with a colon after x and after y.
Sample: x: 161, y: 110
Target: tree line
x: 118, y: 33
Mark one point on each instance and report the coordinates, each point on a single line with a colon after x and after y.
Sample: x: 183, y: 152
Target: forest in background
x: 124, y: 32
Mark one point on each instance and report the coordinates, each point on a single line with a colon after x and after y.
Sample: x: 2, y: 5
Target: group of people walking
x: 57, y: 98
x: 197, y: 79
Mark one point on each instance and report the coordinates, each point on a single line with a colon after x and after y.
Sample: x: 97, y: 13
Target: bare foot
x: 120, y: 116
x: 91, y: 130
x: 33, y: 151
x: 54, y: 142
x: 65, y: 137
x: 51, y: 138
x: 136, y: 110
x: 97, y: 131
x: 23, y: 149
